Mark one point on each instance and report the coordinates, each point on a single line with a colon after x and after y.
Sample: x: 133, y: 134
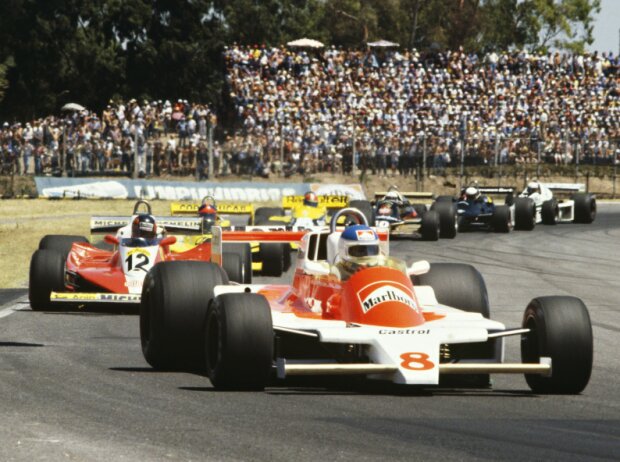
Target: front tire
x: 47, y: 275
x: 429, y: 228
x: 175, y: 297
x: 239, y: 341
x: 501, y: 221
x: 448, y: 224
x: 525, y: 214
x: 560, y: 328
x: 60, y: 242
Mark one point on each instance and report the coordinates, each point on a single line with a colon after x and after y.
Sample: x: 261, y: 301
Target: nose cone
x: 381, y: 296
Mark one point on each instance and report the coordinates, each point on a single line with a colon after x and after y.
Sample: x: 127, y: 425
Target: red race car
x: 353, y: 309
x: 70, y: 269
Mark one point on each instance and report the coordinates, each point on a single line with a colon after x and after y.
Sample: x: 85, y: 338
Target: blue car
x: 475, y: 210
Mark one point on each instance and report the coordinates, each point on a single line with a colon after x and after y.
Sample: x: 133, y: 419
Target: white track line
x: 16, y: 306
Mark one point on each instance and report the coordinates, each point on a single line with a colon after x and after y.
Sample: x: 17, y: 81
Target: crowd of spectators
x: 382, y: 111
x: 388, y: 108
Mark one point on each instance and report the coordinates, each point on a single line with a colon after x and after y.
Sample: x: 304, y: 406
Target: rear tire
x: 429, y: 228
x: 61, y: 243
x: 286, y: 257
x: 448, y: 224
x: 560, y: 329
x: 267, y: 213
x: 232, y: 264
x: 175, y: 297
x: 245, y: 253
x: 585, y: 208
x: 445, y: 199
x: 501, y: 222
x: 461, y: 286
x: 239, y: 342
x: 47, y: 274
x: 272, y: 257
x: 525, y: 214
x: 550, y: 212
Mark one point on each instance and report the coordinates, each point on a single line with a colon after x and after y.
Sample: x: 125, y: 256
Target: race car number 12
x: 415, y: 361
x: 142, y: 261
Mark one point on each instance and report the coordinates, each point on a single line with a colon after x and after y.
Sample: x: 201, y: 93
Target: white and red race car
x: 410, y: 325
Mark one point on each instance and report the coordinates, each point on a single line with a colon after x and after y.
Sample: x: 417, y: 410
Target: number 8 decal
x: 415, y: 361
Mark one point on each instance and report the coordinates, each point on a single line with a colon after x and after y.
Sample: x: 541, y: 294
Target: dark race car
x: 475, y: 210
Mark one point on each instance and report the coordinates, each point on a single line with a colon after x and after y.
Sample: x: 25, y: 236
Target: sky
x: 607, y: 27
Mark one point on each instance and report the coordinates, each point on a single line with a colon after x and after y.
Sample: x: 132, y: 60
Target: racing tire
x: 550, y: 212
x: 458, y: 285
x: 501, y: 221
x: 420, y: 209
x: 560, y: 328
x: 47, y: 274
x: 233, y: 265
x: 445, y: 199
x: 585, y: 208
x: 245, y: 253
x: 286, y: 257
x: 366, y: 208
x: 448, y: 224
x: 59, y: 242
x: 430, y: 226
x: 175, y: 297
x: 272, y: 256
x: 239, y: 341
x: 267, y: 212
x: 461, y: 286
x: 525, y: 214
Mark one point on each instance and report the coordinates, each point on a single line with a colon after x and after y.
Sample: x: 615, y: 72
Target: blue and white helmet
x: 358, y: 241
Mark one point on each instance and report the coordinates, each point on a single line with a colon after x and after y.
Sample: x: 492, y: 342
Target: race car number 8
x: 415, y: 361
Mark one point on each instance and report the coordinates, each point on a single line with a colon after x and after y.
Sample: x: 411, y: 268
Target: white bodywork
x: 566, y: 207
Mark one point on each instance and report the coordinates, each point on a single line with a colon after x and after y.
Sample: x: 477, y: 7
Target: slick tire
x: 448, y: 224
x: 272, y: 256
x: 461, y: 286
x: 245, y: 254
x: 47, y: 274
x: 560, y: 328
x: 501, y: 222
x: 525, y: 214
x: 445, y: 199
x: 585, y: 208
x: 175, y: 297
x: 550, y: 212
x: 267, y: 212
x: 239, y: 342
x: 430, y: 226
x: 233, y: 266
x: 60, y: 243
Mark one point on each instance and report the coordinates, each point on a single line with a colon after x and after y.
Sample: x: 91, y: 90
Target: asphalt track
x: 74, y: 386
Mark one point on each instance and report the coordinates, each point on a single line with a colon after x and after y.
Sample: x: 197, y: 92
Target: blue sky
x: 607, y: 27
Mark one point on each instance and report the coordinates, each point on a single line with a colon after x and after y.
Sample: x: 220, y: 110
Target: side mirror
x: 111, y: 239
x: 168, y: 240
x: 419, y: 267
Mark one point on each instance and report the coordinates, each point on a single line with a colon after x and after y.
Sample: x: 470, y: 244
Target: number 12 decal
x: 142, y: 258
x: 415, y: 361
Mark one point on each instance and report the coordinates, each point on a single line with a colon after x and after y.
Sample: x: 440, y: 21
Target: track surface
x: 74, y: 386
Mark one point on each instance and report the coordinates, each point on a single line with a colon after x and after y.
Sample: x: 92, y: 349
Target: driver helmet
x: 392, y: 196
x: 471, y: 193
x: 358, y: 241
x: 208, y: 213
x: 311, y: 199
x: 533, y: 187
x: 144, y: 226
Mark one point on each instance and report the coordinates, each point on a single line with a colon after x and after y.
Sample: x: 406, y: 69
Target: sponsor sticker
x: 376, y: 293
x: 365, y: 235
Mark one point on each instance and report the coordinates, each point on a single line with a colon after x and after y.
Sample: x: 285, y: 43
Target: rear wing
x: 329, y: 202
x: 111, y: 224
x: 191, y: 208
x: 499, y: 190
x: 411, y: 195
x: 566, y: 187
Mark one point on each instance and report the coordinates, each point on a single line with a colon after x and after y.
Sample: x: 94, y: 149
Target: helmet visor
x: 364, y: 250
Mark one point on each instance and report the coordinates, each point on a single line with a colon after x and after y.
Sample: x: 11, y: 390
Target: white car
x: 414, y: 325
x: 539, y: 200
